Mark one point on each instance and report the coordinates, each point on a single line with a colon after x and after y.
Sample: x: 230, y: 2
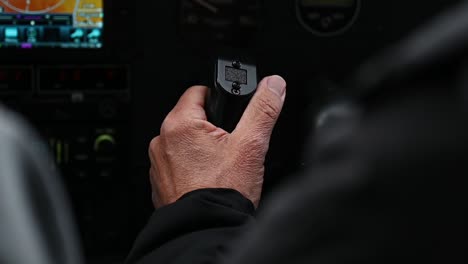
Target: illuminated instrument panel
x: 72, y: 81
x: 51, y: 23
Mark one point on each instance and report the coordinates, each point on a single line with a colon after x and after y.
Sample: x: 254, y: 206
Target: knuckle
x: 196, y: 124
x: 267, y: 106
x: 200, y: 125
x: 170, y: 126
x: 154, y: 144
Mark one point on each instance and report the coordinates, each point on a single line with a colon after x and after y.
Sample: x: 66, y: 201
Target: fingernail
x: 277, y: 84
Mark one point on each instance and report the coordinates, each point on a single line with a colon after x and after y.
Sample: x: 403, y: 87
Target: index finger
x: 192, y: 103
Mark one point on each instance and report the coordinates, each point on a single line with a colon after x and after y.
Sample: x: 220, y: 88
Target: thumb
x: 263, y: 110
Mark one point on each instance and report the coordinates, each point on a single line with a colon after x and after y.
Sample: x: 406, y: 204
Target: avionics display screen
x: 51, y: 24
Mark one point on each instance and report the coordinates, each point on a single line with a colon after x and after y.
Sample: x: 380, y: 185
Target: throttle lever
x: 235, y: 82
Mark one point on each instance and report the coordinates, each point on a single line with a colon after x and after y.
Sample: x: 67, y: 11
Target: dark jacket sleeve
x: 196, y: 229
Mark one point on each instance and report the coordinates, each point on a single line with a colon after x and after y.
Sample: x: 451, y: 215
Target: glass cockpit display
x: 51, y: 23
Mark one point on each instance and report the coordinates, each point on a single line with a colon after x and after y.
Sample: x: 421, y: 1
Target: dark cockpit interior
x: 96, y: 78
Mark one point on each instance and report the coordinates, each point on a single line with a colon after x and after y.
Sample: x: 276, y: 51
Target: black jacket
x: 393, y: 191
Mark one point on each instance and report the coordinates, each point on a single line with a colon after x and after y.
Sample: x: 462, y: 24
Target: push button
x: 93, y: 79
x: 15, y: 79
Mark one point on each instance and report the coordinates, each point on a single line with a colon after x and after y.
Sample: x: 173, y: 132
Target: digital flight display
x: 27, y: 24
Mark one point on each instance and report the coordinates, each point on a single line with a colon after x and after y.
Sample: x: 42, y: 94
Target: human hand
x: 192, y: 154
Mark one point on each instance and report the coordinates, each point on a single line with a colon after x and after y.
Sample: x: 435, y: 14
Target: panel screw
x: 236, y: 64
x: 235, y: 91
x: 236, y: 88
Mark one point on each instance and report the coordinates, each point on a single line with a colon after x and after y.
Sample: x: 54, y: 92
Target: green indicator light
x: 103, y: 138
x: 58, y: 149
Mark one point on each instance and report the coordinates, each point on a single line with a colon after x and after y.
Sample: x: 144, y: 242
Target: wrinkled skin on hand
x: 191, y: 153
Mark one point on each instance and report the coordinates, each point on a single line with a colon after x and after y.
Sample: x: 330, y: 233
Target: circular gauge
x: 32, y: 6
x: 327, y: 17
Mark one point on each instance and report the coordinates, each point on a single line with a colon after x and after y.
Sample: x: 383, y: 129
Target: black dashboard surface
x: 99, y: 109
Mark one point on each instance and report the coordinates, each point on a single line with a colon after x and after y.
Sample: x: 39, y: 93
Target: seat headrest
x: 36, y: 223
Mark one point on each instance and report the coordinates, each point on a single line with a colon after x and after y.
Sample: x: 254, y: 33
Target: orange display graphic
x: 85, y: 12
